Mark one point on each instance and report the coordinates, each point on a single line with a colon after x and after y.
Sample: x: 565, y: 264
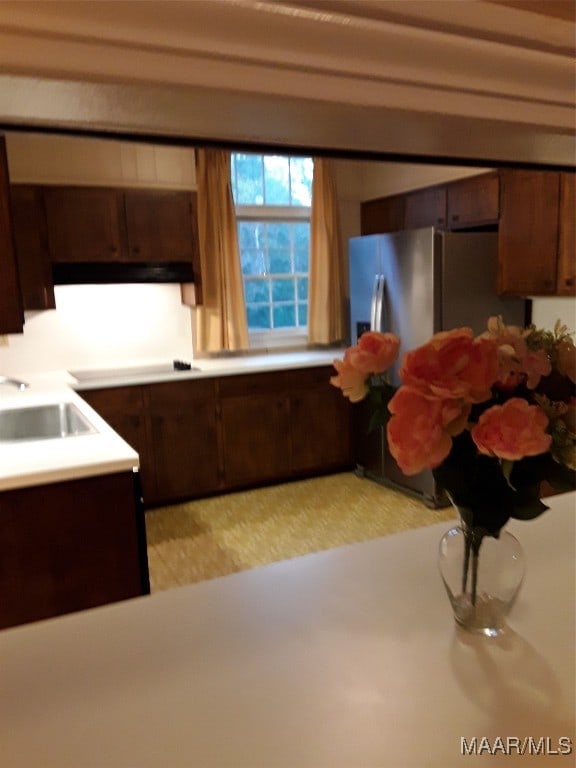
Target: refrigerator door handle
x: 377, y: 308
x: 374, y: 316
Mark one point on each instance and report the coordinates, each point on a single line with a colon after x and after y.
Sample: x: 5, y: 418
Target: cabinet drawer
x: 174, y: 395
x: 253, y: 383
x: 113, y: 399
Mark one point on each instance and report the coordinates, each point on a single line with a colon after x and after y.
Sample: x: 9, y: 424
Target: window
x: 272, y: 195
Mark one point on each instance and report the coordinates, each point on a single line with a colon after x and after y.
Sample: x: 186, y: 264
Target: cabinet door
x: 70, y: 546
x: 320, y: 423
x: 123, y: 409
x: 383, y: 215
x: 184, y: 438
x: 425, y: 208
x: 160, y: 225
x: 528, y: 232
x: 255, y: 429
x: 31, y: 240
x: 474, y: 201
x: 566, y: 285
x: 11, y: 311
x: 84, y: 224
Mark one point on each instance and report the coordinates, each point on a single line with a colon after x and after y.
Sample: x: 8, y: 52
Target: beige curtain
x: 326, y: 287
x: 220, y: 323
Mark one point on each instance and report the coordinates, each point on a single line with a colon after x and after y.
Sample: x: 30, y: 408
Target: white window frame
x: 274, y: 338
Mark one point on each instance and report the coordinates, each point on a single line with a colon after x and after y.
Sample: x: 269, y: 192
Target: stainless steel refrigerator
x: 414, y: 284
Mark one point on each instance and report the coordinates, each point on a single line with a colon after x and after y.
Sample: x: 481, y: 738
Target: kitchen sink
x: 43, y: 422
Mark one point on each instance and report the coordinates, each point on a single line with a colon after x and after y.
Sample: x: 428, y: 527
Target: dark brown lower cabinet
x: 255, y: 424
x: 320, y: 422
x: 69, y: 546
x: 198, y: 437
x: 125, y: 411
x: 184, y: 439
x: 283, y: 425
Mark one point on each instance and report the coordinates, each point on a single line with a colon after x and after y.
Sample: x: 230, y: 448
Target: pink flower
x: 512, y: 431
x: 517, y: 363
x: 421, y: 428
x: 452, y: 365
x: 350, y: 380
x: 374, y: 353
x: 566, y: 358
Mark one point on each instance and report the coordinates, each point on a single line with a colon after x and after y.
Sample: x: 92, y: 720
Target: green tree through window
x: 273, y: 195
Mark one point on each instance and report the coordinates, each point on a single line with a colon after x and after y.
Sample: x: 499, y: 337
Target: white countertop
x: 35, y: 462
x: 217, y: 366
x: 344, y: 659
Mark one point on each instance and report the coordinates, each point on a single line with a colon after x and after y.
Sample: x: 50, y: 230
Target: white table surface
x: 344, y: 659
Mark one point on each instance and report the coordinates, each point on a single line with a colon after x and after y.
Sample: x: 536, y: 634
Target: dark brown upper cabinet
x: 473, y: 201
x: 85, y: 224
x: 160, y: 225
x: 425, y: 208
x: 386, y: 214
x: 102, y: 224
x: 566, y: 278
x: 11, y: 309
x: 31, y: 241
x: 533, y: 226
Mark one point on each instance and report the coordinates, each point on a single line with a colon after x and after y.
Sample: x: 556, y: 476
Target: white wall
x: 46, y: 159
x: 102, y: 326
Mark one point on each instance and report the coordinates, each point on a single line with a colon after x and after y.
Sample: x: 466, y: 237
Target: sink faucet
x: 14, y: 382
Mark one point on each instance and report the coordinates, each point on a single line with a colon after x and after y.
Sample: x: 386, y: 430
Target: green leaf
x: 529, y: 510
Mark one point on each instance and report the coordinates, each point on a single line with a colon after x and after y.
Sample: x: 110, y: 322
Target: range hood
x: 122, y: 272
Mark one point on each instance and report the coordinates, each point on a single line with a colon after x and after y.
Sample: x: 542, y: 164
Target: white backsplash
x: 102, y: 325
x: 121, y: 325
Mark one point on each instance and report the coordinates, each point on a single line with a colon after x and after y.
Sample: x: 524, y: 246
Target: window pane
x: 249, y: 182
x: 278, y: 234
x: 251, y: 234
x: 302, y: 287
x: 257, y: 291
x: 253, y: 262
x: 276, y: 180
x: 301, y: 234
x: 284, y: 316
x: 302, y: 314
x: 280, y: 263
x: 258, y: 316
x: 283, y: 290
x: 301, y: 170
x: 301, y: 261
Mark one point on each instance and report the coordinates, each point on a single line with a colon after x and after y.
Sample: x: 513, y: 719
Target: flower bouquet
x: 493, y: 417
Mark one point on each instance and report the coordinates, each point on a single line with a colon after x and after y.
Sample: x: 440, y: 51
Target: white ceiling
x: 458, y: 79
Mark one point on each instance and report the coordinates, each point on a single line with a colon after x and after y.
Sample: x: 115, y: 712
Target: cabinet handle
x: 136, y: 249
x: 569, y: 281
x: 455, y: 217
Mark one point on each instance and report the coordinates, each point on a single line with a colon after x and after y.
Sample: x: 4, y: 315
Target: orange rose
x: 452, y: 365
x: 350, y: 380
x: 374, y: 353
x: 512, y: 431
x: 421, y: 429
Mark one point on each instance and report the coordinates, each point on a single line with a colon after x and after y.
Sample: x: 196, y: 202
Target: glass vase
x: 482, y: 575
